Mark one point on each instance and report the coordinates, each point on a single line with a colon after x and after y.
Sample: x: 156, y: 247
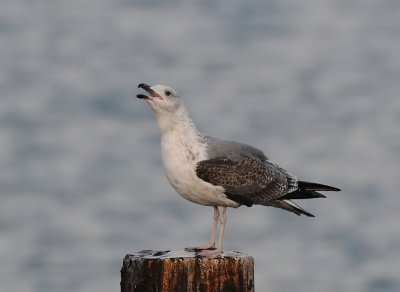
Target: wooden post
x: 182, y: 270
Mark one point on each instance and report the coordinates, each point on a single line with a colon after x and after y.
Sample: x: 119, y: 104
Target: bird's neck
x: 177, y: 123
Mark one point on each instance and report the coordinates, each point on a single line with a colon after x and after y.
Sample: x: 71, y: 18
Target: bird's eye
x: 167, y: 93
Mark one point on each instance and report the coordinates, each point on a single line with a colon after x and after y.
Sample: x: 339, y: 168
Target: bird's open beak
x: 150, y: 91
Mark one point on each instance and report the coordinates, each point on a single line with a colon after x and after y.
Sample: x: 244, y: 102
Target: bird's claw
x: 210, y: 254
x: 207, y: 246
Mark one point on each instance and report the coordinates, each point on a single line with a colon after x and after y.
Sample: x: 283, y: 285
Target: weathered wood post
x: 153, y: 271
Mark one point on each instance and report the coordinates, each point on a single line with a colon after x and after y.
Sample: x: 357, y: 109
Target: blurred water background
x: 315, y: 84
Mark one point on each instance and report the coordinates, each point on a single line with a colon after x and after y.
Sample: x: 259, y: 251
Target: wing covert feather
x: 248, y: 180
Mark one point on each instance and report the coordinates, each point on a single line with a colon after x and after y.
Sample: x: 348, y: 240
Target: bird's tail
x: 290, y: 206
x: 308, y: 190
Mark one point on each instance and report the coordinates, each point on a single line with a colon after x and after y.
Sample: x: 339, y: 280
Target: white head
x: 168, y: 107
x: 161, y: 98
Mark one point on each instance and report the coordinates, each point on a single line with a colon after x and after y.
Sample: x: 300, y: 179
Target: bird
x: 218, y: 173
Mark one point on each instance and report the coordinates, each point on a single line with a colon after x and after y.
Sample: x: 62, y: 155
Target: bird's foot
x: 210, y: 254
x: 207, y: 246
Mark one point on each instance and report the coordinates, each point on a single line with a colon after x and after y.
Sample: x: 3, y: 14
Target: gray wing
x: 247, y: 181
x: 234, y: 151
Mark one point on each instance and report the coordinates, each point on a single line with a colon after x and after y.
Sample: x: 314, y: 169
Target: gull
x: 218, y: 173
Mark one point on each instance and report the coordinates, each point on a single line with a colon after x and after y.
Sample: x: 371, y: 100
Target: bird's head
x: 161, y: 98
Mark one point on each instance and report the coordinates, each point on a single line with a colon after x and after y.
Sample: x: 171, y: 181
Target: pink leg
x: 218, y: 251
x: 211, y: 244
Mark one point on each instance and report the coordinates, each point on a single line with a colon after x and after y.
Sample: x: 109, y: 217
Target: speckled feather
x: 247, y: 181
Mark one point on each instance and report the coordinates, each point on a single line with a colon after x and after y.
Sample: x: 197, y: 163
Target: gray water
x: 315, y: 84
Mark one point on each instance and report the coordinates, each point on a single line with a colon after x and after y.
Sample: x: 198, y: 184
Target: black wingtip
x: 301, y: 211
x: 298, y: 210
x: 302, y: 194
x: 310, y: 186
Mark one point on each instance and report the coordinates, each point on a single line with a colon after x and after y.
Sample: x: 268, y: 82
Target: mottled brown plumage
x: 255, y: 181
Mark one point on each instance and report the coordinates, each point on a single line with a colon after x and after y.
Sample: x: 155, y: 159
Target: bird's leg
x: 211, y: 244
x: 222, y: 230
x: 217, y: 252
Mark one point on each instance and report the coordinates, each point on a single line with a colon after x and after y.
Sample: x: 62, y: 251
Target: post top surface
x: 174, y: 254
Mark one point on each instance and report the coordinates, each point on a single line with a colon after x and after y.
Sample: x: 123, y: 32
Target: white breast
x: 180, y: 155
